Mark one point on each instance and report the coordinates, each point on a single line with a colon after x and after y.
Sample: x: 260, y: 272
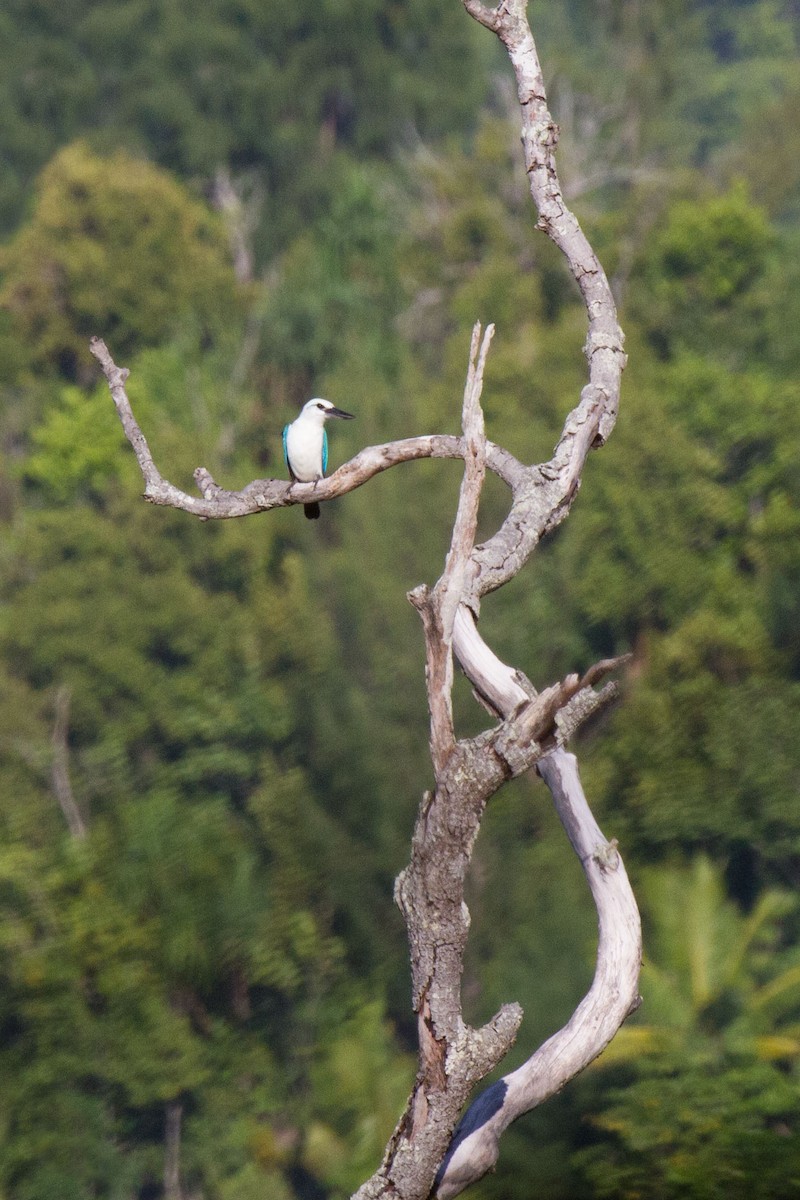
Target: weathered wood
x: 612, y: 996
x: 425, y: 1156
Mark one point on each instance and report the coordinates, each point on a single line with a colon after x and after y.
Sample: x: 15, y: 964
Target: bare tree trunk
x: 172, y: 1152
x: 432, y: 1152
x: 59, y: 772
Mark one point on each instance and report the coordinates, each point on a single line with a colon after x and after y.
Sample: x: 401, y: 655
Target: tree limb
x: 172, y: 1151
x: 424, y: 1153
x: 541, y: 500
x: 611, y: 998
x: 438, y: 606
x: 546, y: 502
x: 59, y: 771
x: 261, y: 495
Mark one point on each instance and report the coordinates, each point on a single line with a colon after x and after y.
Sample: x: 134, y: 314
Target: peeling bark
x: 432, y: 1152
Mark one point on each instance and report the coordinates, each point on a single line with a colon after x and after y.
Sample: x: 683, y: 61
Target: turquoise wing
x: 324, y: 451
x: 285, y: 451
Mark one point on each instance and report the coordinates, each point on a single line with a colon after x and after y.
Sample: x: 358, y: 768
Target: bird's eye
x: 322, y: 406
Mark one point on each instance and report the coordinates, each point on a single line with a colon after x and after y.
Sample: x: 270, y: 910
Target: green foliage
x: 715, y: 982
x: 698, y: 281
x: 79, y: 447
x: 114, y: 247
x: 247, y: 730
x: 263, y: 89
x: 705, y: 1133
x: 361, y: 1088
x: 693, y: 573
x: 337, y: 282
x: 197, y: 906
x: 707, y: 1110
x: 547, y: 974
x: 91, y: 1040
x: 768, y: 156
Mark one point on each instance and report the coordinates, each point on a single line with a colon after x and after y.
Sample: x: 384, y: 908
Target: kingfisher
x: 305, y: 444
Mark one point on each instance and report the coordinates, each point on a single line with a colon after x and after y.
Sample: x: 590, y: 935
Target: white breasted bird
x: 305, y: 444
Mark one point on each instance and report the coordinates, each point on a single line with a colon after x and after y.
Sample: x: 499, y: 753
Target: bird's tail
x: 311, y: 511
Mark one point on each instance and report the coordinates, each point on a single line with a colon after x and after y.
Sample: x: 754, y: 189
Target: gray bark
x: 59, y: 771
x: 432, y: 1152
x: 172, y: 1151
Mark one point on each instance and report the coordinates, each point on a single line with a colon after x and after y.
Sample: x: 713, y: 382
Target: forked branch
x: 262, y: 495
x: 438, y: 607
x: 424, y: 1156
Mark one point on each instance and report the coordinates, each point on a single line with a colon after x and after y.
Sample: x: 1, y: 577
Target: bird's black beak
x: 339, y: 412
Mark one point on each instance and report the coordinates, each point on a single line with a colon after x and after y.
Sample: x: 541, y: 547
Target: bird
x: 305, y: 444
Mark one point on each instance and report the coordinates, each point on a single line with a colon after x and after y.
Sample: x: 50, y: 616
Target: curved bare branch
x: 261, y: 495
x: 550, y: 496
x: 611, y: 998
x: 59, y: 771
x: 438, y: 607
x: 532, y: 729
x: 541, y: 500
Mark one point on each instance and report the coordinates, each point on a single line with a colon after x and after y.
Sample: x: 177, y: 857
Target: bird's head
x: 321, y: 410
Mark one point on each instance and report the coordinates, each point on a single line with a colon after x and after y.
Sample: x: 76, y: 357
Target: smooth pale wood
x: 611, y: 998
x: 453, y: 1057
x: 497, y: 683
x: 261, y: 495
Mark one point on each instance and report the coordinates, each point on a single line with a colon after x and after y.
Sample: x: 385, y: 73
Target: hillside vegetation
x: 213, y: 737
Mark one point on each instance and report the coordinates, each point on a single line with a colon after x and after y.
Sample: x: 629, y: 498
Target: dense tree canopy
x: 112, y: 243
x: 266, y: 89
x: 240, y: 708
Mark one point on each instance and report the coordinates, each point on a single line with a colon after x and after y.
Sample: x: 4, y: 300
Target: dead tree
x: 432, y: 1152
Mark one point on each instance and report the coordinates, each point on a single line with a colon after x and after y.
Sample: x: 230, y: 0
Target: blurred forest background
x: 213, y: 737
